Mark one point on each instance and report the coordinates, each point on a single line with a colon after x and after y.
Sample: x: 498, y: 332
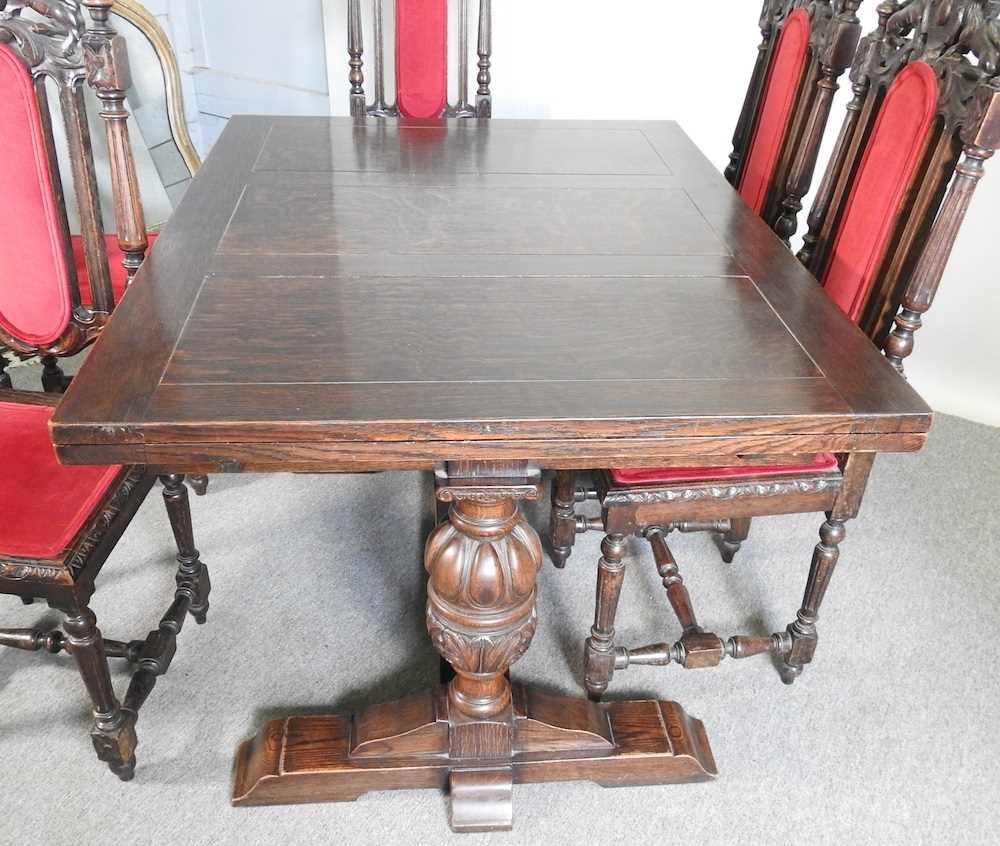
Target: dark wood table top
x: 341, y: 296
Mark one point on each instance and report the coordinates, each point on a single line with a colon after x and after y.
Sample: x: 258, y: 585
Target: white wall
x: 645, y: 59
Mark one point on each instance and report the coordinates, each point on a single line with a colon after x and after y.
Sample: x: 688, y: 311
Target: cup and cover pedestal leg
x: 479, y: 734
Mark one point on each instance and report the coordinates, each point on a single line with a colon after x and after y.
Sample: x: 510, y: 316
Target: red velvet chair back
x: 37, y: 279
x: 421, y: 61
x: 781, y: 92
x: 914, y: 78
x: 41, y: 280
x: 806, y: 46
x: 421, y: 57
x: 889, y: 164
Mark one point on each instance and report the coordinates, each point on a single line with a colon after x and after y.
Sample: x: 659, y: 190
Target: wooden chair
x: 94, y: 272
x: 421, y: 60
x: 925, y: 116
x: 806, y: 46
x: 54, y: 298
x: 92, y: 269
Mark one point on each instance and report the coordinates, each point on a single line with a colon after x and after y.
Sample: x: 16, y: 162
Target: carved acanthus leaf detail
x: 51, y: 43
x: 477, y: 652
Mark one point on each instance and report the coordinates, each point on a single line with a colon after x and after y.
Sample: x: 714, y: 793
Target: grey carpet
x: 889, y: 737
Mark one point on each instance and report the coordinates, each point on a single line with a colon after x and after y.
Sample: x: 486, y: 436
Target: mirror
x: 155, y: 99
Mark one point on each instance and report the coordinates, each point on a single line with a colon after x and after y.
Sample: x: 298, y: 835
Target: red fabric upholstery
x: 421, y: 57
x: 895, y: 147
x: 52, y: 501
x: 776, y: 109
x: 34, y: 284
x: 119, y: 276
x: 825, y: 461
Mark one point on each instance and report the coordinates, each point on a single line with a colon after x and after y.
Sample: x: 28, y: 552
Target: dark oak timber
x: 481, y: 299
x: 511, y: 288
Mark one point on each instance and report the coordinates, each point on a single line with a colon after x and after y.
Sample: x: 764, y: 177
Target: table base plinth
x: 416, y: 742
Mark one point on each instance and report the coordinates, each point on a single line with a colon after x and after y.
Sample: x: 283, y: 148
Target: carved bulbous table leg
x: 481, y: 599
x: 478, y: 734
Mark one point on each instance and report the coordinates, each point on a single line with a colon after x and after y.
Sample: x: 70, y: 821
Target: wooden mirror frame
x: 143, y: 20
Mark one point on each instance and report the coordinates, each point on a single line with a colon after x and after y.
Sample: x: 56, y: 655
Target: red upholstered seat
x: 825, y: 461
x: 119, y: 276
x: 51, y: 502
x: 421, y: 57
x: 895, y: 149
x: 776, y: 109
x: 34, y: 287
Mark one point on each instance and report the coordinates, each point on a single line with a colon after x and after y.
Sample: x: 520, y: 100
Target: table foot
x: 482, y: 800
x: 423, y: 741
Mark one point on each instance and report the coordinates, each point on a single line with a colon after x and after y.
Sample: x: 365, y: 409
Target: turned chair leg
x: 54, y: 380
x: 731, y: 540
x: 599, y: 663
x: 803, y: 631
x: 199, y: 484
x: 562, y: 520
x: 114, y: 728
x: 192, y: 575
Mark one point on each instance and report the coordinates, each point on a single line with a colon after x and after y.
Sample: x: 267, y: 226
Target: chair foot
x: 562, y: 517
x: 199, y: 484
x: 113, y: 733
x: 115, y: 742
x: 54, y: 379
x: 730, y: 541
x: 789, y: 672
x: 126, y: 771
x: 27, y: 600
x: 203, y: 587
x: 728, y: 549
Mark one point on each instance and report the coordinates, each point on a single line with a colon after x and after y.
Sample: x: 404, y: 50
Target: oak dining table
x: 486, y: 300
